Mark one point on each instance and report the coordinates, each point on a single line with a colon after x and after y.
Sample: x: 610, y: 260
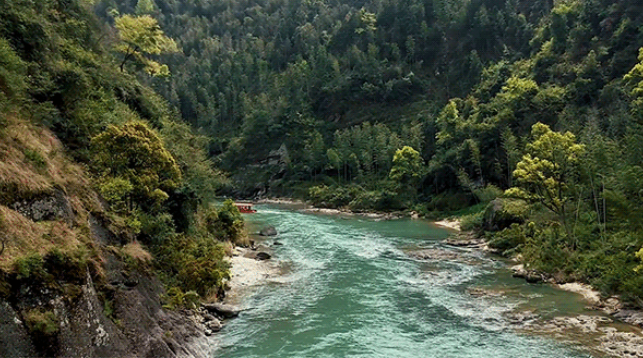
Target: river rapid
x: 350, y: 289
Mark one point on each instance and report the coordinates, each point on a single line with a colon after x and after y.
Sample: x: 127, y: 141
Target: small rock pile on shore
x: 210, y: 316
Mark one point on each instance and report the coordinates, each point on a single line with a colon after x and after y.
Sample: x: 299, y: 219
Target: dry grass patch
x: 32, y: 161
x: 137, y: 252
x: 24, y: 237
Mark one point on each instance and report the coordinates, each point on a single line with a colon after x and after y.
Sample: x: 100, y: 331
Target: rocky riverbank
x: 307, y: 208
x: 612, y: 330
x: 250, y: 268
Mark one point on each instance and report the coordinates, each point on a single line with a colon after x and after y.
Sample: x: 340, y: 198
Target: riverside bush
x: 471, y: 221
x: 193, y: 263
x: 332, y: 196
x: 381, y: 200
x: 175, y: 298
x: 509, y: 239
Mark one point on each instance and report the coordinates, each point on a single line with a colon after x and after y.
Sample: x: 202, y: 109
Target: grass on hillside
x: 33, y: 163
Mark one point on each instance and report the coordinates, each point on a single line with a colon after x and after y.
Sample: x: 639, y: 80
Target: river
x: 351, y: 290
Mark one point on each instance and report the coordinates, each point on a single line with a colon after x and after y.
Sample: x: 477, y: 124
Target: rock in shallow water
x: 261, y: 256
x: 222, y: 310
x: 434, y: 254
x: 465, y: 240
x: 268, y: 231
x: 213, y: 325
x: 530, y: 276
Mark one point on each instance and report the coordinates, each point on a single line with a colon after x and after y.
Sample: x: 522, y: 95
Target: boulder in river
x: 534, y: 277
x: 222, y: 310
x: 261, y: 256
x: 530, y: 276
x: 213, y: 325
x: 268, y: 231
x: 519, y: 271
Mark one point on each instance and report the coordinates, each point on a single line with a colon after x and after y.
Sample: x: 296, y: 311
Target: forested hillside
x: 103, y: 191
x: 434, y: 105
x: 121, y: 120
x: 255, y: 75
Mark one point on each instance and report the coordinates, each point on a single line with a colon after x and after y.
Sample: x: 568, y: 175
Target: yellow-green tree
x: 635, y: 79
x: 408, y: 171
x: 134, y: 166
x: 544, y: 173
x: 140, y: 37
x: 145, y: 7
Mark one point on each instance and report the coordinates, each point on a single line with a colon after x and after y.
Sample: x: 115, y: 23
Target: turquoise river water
x: 350, y: 290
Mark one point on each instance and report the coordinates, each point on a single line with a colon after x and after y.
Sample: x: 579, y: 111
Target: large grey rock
x: 213, y: 325
x: 46, y: 208
x: 14, y: 339
x: 630, y: 316
x: 268, y: 231
x: 222, y: 310
x: 261, y: 256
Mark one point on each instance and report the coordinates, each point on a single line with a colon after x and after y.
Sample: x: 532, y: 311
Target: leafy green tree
x: 132, y: 160
x: 545, y: 173
x: 231, y: 218
x: 189, y: 150
x: 12, y: 72
x: 408, y: 170
x: 141, y: 36
x: 635, y: 78
x: 447, y: 122
x: 145, y: 7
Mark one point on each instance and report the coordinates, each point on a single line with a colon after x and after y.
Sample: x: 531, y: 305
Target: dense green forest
x: 524, y: 115
x: 430, y: 105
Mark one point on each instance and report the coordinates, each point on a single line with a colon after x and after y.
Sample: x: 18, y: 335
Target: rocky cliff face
x: 66, y: 288
x: 121, y: 316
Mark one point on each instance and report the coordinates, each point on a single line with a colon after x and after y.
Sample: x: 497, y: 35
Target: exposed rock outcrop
x: 465, y: 239
x: 14, y: 339
x: 137, y: 325
x: 222, y: 310
x: 263, y: 256
x: 48, y: 207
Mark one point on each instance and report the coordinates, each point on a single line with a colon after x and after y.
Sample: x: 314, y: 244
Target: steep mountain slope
x: 104, y: 198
